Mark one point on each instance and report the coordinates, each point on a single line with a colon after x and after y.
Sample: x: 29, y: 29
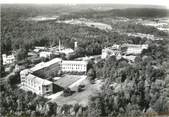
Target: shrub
x: 67, y: 92
x: 80, y: 88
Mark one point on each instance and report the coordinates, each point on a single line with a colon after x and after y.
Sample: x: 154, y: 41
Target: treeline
x: 134, y: 89
x: 18, y: 34
x: 138, y: 28
x: 129, y: 13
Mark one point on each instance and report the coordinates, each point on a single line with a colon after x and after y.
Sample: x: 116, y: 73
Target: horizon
x: 77, y: 2
x: 96, y: 5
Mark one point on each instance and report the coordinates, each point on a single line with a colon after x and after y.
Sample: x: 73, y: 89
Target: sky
x: 144, y: 2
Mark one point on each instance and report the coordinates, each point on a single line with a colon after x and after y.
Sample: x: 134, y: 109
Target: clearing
x: 80, y: 97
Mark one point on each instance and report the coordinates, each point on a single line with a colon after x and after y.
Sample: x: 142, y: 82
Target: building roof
x: 53, y: 61
x: 135, y: 45
x: 37, y: 66
x: 38, y: 80
x: 114, y: 47
x: 45, y: 64
x: 25, y: 71
x: 74, y: 62
x: 67, y: 51
x: 45, y: 52
x: 40, y: 47
x: 131, y: 57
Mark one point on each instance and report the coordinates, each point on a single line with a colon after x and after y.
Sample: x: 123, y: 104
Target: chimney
x: 59, y: 45
x: 75, y: 44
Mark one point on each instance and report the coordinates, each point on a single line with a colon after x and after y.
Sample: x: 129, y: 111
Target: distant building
x: 111, y: 51
x: 45, y: 54
x: 39, y: 48
x: 129, y: 53
x: 130, y: 58
x: 8, y: 59
x: 74, y: 66
x: 67, y: 51
x: 135, y: 49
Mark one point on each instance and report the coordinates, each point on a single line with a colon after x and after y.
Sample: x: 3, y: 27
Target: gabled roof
x: 45, y: 64
x: 74, y: 62
x: 38, y: 80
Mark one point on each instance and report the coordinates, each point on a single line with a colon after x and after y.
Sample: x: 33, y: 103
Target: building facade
x: 32, y: 80
x: 111, y: 51
x: 35, y: 84
x: 45, y: 54
x: 8, y: 59
x: 135, y: 49
x: 74, y: 66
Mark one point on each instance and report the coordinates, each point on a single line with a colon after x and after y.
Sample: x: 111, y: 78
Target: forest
x: 129, y: 13
x: 18, y: 33
x: 129, y: 90
x: 144, y: 86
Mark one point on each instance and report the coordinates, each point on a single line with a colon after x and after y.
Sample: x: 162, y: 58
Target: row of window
x: 74, y: 68
x: 31, y: 82
x: 74, y: 65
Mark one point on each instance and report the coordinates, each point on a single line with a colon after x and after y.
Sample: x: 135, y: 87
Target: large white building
x: 35, y: 84
x: 8, y: 59
x: 74, y: 66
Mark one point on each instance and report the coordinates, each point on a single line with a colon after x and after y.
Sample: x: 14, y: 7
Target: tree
x: 91, y: 74
x: 21, y: 54
x: 2, y: 68
x: 80, y: 88
x: 13, y: 79
x: 67, y: 92
x: 76, y: 108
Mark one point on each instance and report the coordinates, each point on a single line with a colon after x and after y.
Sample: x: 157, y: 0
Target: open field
x: 80, y: 97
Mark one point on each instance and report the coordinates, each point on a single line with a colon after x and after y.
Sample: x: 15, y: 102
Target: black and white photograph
x: 84, y: 58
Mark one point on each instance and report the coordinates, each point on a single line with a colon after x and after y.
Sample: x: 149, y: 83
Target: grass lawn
x: 80, y: 97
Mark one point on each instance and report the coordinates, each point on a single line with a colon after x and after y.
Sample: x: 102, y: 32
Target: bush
x: 80, y: 88
x: 13, y: 79
x: 67, y: 92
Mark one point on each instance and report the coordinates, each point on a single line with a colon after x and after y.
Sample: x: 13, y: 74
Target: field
x: 80, y: 97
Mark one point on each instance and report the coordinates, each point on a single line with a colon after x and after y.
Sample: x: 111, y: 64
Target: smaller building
x: 67, y: 51
x: 39, y: 48
x: 130, y: 58
x: 115, y: 50
x: 74, y: 66
x: 45, y: 54
x: 8, y: 59
x: 135, y: 49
